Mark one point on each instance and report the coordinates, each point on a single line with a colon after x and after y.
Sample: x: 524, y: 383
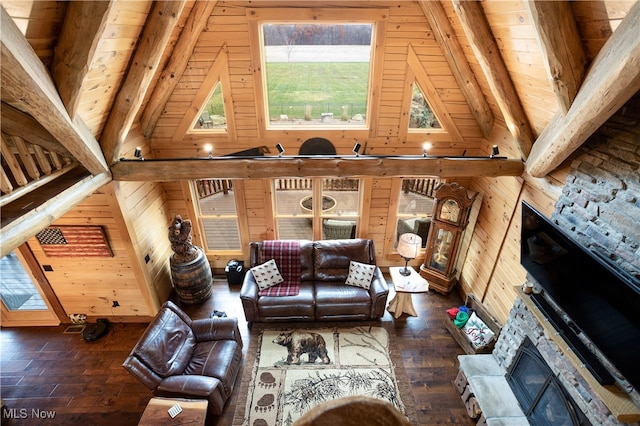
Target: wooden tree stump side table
x: 405, y: 287
x: 194, y: 412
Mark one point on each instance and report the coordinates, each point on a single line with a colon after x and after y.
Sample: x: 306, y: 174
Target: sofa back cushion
x: 306, y: 258
x: 167, y: 345
x: 332, y: 257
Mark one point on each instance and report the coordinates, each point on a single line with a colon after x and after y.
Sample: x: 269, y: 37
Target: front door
x: 23, y: 297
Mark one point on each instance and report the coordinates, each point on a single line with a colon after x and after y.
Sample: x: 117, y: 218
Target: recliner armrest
x: 188, y: 385
x: 249, y: 297
x: 378, y: 284
x: 208, y: 329
x: 141, y: 371
x: 379, y: 290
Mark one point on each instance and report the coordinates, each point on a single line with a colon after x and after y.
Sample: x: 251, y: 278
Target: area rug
x: 290, y: 370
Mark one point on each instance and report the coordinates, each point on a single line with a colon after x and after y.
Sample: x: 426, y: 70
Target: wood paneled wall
x: 90, y: 285
x: 135, y: 218
x: 228, y: 28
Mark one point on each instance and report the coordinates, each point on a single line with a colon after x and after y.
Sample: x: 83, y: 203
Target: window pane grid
x: 295, y: 207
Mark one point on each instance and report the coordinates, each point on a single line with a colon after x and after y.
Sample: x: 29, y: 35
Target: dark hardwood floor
x: 46, y: 372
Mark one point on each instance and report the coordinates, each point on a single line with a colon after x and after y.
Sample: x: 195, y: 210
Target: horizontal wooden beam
x: 305, y: 166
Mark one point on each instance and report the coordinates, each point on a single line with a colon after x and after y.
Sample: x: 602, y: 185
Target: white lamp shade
x: 409, y: 245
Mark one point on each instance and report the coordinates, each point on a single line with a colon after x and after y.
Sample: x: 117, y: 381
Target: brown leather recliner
x: 177, y: 357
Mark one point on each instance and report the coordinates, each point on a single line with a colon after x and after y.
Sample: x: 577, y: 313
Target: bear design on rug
x: 301, y: 342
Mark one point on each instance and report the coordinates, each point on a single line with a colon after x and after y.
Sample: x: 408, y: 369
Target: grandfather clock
x: 450, y: 218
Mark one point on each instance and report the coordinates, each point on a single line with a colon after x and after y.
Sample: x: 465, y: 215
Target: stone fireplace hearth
x: 601, y: 406
x: 485, y: 389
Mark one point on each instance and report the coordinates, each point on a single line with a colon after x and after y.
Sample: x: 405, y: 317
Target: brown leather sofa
x: 177, y: 357
x: 323, y: 295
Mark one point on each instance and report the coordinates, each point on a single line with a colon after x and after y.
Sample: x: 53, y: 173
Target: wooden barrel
x: 192, y: 280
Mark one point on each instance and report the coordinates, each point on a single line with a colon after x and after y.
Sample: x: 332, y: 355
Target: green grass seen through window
x: 325, y: 87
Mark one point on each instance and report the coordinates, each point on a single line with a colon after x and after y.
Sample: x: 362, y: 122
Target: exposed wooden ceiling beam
x: 86, y: 21
x: 26, y: 226
x: 444, y: 34
x: 487, y: 52
x: 565, y: 59
x: 153, y: 41
x: 27, y: 86
x: 272, y: 167
x: 613, y: 78
x: 16, y: 122
x: 176, y: 65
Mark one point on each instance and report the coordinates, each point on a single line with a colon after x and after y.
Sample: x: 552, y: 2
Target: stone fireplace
x: 599, y: 207
x: 597, y: 403
x: 575, y: 397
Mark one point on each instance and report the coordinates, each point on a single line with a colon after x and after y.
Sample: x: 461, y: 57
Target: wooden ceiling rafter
x: 444, y: 34
x: 72, y: 61
x: 486, y: 50
x: 162, y: 19
x: 564, y: 57
x: 613, y: 78
x: 27, y: 86
x: 175, y: 67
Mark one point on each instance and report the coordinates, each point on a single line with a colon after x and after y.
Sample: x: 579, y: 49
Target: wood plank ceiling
x: 70, y: 105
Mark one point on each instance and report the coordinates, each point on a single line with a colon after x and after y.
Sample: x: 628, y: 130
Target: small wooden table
x: 194, y: 412
x: 404, y: 287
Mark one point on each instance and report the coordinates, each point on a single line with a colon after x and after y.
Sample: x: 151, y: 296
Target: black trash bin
x: 235, y: 272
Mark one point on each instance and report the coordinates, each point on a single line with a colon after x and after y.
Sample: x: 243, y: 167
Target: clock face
x: 450, y: 210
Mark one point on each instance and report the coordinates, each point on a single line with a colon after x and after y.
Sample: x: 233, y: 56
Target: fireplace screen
x: 541, y: 396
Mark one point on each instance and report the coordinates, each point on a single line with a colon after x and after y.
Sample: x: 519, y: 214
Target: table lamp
x: 408, y: 247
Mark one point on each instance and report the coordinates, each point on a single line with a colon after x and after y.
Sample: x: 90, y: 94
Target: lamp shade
x: 409, y: 245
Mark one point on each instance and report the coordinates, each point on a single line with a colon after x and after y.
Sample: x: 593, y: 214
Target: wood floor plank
x: 41, y: 368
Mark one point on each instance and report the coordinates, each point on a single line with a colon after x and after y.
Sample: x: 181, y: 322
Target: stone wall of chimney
x: 600, y: 203
x: 521, y: 323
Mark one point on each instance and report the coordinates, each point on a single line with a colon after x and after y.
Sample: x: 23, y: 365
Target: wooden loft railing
x: 26, y: 167
x: 208, y: 187
x: 422, y: 186
x: 337, y: 184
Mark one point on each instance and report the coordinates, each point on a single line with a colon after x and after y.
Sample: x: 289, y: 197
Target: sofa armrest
x: 249, y: 297
x: 379, y: 290
x: 208, y: 329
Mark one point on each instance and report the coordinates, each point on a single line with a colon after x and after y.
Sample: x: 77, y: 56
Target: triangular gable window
x: 421, y: 115
x: 211, y: 117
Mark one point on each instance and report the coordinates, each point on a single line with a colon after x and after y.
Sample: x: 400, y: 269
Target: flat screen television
x: 594, y: 297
